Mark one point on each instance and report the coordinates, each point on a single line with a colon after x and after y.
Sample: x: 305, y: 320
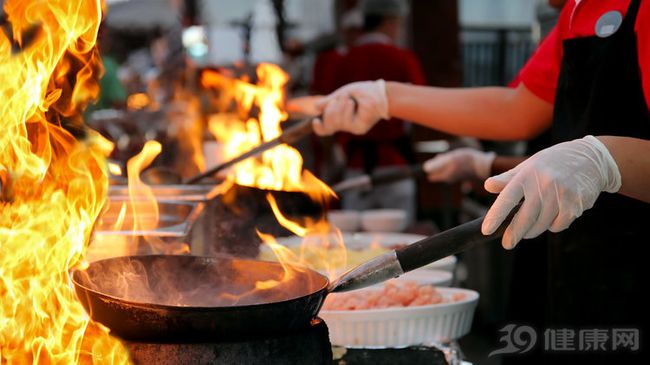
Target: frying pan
x: 182, y: 298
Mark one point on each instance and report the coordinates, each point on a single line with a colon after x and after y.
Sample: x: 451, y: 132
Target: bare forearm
x: 632, y: 156
x: 495, y: 113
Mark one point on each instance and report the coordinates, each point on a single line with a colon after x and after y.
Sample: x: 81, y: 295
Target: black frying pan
x: 181, y: 298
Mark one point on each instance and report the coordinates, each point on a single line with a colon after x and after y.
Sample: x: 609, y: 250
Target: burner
x: 241, y: 212
x: 307, y: 347
x: 388, y: 356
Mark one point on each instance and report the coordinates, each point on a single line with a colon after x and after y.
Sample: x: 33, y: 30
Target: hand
x: 353, y: 108
x: 460, y: 164
x: 557, y: 184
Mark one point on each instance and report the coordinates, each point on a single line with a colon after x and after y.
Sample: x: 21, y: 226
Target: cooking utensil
x: 395, y: 263
x: 167, y: 298
x: 367, y: 182
x: 291, y: 135
x: 303, y: 106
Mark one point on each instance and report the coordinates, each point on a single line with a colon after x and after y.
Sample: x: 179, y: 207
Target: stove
x: 311, y: 346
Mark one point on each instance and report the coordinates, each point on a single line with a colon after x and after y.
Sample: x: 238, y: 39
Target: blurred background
x: 156, y: 51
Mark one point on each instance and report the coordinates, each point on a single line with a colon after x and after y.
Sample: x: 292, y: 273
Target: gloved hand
x: 558, y: 185
x: 460, y: 164
x: 353, y: 108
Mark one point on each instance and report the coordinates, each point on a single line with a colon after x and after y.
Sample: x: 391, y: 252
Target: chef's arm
x: 632, y: 155
x: 495, y: 113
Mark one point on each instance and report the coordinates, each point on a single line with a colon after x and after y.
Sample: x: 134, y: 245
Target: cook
x: 590, y: 83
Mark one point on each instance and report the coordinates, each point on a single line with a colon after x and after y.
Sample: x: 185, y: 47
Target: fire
x: 143, y: 201
x: 138, y: 101
x: 145, y: 211
x: 322, y: 248
x: 280, y: 168
x: 54, y: 185
x: 114, y: 169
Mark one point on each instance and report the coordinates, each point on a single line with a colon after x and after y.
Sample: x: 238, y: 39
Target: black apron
x: 599, y: 268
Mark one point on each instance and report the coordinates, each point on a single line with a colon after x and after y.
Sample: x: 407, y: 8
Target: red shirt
x: 578, y: 19
x: 372, y: 61
x: 324, y: 74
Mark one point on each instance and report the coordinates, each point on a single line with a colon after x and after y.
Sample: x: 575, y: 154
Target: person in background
x: 375, y: 55
x: 327, y: 62
x: 112, y: 93
x: 328, y: 157
x: 590, y: 82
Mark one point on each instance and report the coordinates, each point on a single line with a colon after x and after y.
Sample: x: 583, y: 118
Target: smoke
x: 191, y: 281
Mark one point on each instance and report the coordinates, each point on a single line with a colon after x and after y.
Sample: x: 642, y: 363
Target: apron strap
x: 630, y: 18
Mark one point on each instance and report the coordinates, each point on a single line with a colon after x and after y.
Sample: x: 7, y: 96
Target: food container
x: 403, y: 326
x: 345, y: 220
x: 436, y: 278
x: 383, y: 220
x: 170, y: 193
x: 114, y: 235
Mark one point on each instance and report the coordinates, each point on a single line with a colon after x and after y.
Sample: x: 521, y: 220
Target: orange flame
x: 145, y: 211
x: 143, y: 201
x: 138, y: 101
x: 58, y: 185
x: 322, y: 248
x: 114, y: 169
x: 280, y: 168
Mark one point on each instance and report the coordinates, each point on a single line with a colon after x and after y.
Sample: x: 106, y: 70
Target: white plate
x: 403, y: 326
x: 364, y: 240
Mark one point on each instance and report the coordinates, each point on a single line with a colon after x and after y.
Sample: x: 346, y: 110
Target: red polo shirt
x: 375, y: 58
x: 578, y: 19
x: 324, y: 74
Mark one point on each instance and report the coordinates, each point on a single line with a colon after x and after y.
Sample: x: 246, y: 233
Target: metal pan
x: 177, y: 298
x: 181, y: 298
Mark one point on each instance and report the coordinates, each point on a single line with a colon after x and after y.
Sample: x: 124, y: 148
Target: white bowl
x: 403, y: 326
x: 383, y: 220
x: 435, y: 278
x: 445, y: 264
x: 345, y: 220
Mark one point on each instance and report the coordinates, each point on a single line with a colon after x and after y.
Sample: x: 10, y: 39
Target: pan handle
x: 395, y: 263
x: 450, y: 242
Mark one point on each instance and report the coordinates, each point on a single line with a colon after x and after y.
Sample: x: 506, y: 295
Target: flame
x: 143, y: 201
x: 114, y: 169
x: 138, y: 101
x: 322, y: 248
x: 145, y: 211
x: 57, y: 185
x: 280, y: 168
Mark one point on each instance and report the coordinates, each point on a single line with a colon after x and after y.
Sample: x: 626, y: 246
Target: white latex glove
x: 558, y: 185
x: 339, y: 114
x: 460, y: 164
